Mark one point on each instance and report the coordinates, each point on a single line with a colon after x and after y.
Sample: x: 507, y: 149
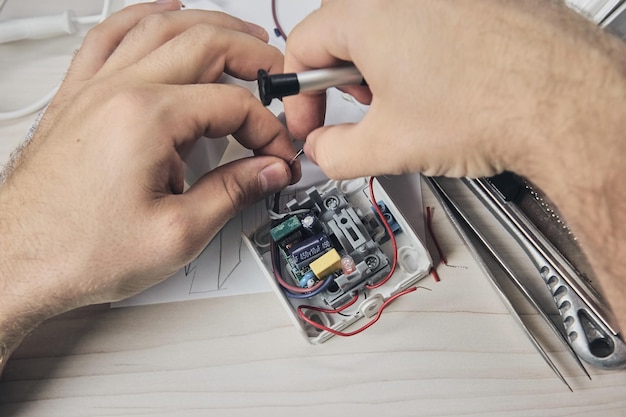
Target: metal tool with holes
x: 589, y: 325
x: 472, y: 236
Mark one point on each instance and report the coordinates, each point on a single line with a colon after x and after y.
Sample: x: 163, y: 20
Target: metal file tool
x: 587, y: 322
x: 554, y: 275
x: 472, y: 235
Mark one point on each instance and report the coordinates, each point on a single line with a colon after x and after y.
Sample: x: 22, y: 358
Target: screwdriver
x: 282, y: 85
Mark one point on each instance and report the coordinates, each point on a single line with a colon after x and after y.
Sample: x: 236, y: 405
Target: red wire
x: 276, y: 22
x: 276, y: 266
x: 392, y: 237
x: 394, y: 245
x: 359, y: 330
x: 433, y: 272
x: 319, y: 326
x: 429, y: 224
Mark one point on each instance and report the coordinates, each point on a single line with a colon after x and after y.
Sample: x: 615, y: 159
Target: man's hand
x: 94, y: 210
x: 471, y: 88
x: 456, y: 88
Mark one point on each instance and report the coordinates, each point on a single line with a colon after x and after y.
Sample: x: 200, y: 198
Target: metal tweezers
x: 472, y: 235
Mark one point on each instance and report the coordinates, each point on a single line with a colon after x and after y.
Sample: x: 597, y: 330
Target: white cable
x: 97, y: 18
x: 88, y: 20
x: 25, y: 27
x: 277, y: 216
x: 25, y: 111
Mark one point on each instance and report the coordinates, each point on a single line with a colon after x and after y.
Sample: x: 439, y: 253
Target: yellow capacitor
x: 326, y: 264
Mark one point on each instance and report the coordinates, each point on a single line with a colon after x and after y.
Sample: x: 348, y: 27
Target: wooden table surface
x: 450, y: 348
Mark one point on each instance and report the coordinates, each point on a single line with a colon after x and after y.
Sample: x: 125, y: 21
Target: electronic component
x: 311, y: 224
x: 332, y: 251
x: 347, y: 265
x: 309, y: 249
x: 308, y: 280
x: 284, y: 229
x: 326, y: 264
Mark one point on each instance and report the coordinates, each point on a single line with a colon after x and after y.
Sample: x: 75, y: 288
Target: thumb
x: 351, y: 150
x: 223, y: 192
x: 228, y: 189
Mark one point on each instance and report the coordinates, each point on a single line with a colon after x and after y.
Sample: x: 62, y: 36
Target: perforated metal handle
x: 592, y: 341
x: 588, y: 331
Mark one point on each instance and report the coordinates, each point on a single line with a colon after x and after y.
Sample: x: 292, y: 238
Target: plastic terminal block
x: 326, y: 264
x: 371, y: 269
x: 349, y: 229
x: 393, y: 225
x: 284, y: 229
x: 327, y: 205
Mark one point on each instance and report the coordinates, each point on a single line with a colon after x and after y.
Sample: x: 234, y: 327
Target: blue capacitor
x: 304, y: 281
x: 310, y: 249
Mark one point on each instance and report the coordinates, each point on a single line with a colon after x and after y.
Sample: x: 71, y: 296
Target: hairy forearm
x: 601, y: 224
x: 18, y: 314
x: 582, y: 166
x: 24, y: 270
x: 595, y: 208
x: 13, y: 329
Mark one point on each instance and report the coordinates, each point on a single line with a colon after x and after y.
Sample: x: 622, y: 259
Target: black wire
x: 276, y: 207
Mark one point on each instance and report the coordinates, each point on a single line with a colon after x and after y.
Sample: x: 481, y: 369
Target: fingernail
x: 256, y: 30
x: 273, y: 178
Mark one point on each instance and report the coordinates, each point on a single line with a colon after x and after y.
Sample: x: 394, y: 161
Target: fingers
x: 304, y: 113
x: 216, y: 110
x: 354, y: 150
x: 102, y: 40
x: 320, y: 41
x: 203, y: 52
x: 218, y: 196
x: 156, y: 29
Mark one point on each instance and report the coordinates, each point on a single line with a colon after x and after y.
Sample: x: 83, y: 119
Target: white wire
x: 277, y: 216
x: 97, y: 18
x: 106, y: 11
x: 32, y: 108
x: 43, y: 102
x: 88, y: 20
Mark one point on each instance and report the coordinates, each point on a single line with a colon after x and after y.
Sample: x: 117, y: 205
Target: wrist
x: 18, y: 317
x: 25, y: 302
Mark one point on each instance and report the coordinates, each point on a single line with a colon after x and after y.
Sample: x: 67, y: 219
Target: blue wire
x: 310, y: 294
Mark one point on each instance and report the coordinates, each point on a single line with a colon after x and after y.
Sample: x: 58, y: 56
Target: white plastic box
x: 413, y: 260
